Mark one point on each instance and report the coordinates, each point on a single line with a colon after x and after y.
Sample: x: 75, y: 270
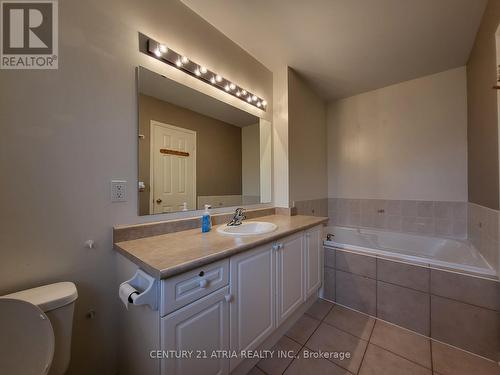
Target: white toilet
x: 35, y: 330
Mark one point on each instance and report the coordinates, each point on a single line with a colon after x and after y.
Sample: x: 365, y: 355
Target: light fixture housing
x: 159, y: 51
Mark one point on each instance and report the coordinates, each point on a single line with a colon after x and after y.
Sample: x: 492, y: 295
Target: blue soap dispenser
x: 206, y: 223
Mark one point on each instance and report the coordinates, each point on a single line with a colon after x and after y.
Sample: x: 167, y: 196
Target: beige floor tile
x: 405, y: 343
x: 303, y: 329
x: 277, y: 365
x: 378, y: 361
x: 448, y: 360
x: 330, y: 339
x: 355, y: 323
x: 313, y: 366
x: 319, y: 309
x: 256, y: 371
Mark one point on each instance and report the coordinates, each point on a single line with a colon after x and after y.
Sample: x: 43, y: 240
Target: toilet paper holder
x: 145, y: 285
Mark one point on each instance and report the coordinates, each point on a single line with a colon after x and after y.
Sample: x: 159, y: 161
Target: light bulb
x: 238, y: 93
x: 254, y: 98
x: 232, y: 86
x: 212, y: 80
x: 178, y: 63
x: 184, y: 60
x: 244, y: 92
x: 197, y: 72
x: 264, y: 103
x: 226, y: 87
x: 259, y: 104
x: 249, y: 99
x: 157, y: 52
x: 203, y: 70
x: 163, y: 48
x: 218, y: 78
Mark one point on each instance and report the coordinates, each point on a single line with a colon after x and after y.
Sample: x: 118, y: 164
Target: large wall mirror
x: 196, y: 150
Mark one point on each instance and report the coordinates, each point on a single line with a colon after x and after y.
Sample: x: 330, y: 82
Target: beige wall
x: 482, y: 129
x: 306, y: 141
x: 218, y: 148
x: 66, y: 133
x: 406, y: 141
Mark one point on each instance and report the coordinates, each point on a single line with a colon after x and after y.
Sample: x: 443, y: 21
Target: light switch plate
x: 118, y: 191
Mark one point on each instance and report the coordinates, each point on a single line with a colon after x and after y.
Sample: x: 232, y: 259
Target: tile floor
x: 376, y: 348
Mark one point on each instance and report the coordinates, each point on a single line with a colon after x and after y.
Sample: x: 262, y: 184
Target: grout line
x: 366, y: 349
x: 432, y: 357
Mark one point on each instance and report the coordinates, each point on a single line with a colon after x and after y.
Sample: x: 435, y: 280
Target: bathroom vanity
x: 219, y: 297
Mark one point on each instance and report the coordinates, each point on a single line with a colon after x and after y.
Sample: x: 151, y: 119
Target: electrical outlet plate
x: 118, y: 191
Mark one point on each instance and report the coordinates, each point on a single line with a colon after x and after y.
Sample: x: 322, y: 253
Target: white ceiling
x: 345, y: 47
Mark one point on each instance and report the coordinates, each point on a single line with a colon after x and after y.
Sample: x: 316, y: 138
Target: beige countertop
x: 173, y: 253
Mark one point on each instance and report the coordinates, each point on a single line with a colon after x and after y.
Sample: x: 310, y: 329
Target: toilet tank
x: 57, y: 301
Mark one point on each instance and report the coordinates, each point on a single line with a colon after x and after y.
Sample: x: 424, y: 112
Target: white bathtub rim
x: 488, y: 274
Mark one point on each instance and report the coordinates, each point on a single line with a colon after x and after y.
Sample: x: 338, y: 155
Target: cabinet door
x: 252, y: 283
x: 290, y: 275
x: 313, y: 260
x: 197, y: 330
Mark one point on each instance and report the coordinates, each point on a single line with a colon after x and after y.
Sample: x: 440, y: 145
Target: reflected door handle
x: 159, y: 201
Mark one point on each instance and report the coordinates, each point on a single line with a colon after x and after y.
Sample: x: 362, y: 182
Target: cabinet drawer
x: 180, y: 290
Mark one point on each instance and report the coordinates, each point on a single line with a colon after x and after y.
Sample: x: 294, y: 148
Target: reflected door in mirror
x: 173, y: 171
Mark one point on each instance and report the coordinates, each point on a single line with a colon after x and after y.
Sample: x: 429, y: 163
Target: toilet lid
x: 26, y: 338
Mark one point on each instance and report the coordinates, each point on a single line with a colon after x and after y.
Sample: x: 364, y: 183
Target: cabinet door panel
x: 199, y: 328
x: 290, y: 262
x: 313, y: 251
x: 252, y: 283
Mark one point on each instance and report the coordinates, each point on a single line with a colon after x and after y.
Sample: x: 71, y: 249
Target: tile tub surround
x: 458, y: 309
x: 435, y: 218
x: 483, y: 232
x: 169, y: 254
x: 313, y: 207
x: 377, y: 348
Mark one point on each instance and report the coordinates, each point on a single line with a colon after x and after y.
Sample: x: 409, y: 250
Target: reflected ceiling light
x: 159, y: 51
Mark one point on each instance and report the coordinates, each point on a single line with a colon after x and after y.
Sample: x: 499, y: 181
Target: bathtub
x: 423, y: 250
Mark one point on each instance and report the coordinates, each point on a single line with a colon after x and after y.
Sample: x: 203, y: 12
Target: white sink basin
x: 248, y: 228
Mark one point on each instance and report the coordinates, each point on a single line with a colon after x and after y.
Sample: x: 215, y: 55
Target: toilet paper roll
x: 127, y: 293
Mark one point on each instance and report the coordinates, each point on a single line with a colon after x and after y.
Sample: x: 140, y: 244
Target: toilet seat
x: 26, y: 338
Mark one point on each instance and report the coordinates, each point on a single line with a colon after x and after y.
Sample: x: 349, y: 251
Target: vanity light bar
x: 163, y: 53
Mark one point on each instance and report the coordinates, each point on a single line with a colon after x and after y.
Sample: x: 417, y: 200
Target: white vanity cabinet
x: 235, y: 304
x: 194, y: 333
x: 252, y: 286
x: 290, y: 275
x: 313, y: 262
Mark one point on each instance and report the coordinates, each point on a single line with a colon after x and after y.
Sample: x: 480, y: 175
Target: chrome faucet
x: 237, y: 218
